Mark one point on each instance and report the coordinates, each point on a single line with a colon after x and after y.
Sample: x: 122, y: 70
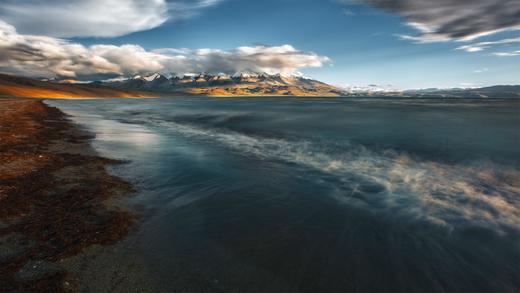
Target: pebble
x: 35, y: 270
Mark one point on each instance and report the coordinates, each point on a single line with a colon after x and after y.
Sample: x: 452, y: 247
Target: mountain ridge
x: 496, y: 91
x: 264, y: 84
x: 238, y: 84
x: 156, y: 85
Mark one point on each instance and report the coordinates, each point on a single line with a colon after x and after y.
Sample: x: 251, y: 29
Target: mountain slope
x: 30, y: 88
x: 225, y: 85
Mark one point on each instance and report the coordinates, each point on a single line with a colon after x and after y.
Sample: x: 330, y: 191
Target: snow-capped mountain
x: 499, y: 91
x: 149, y: 77
x: 240, y: 83
x: 264, y: 84
x: 371, y: 88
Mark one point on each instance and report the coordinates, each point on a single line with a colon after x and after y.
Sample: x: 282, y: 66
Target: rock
x: 35, y: 270
x: 13, y: 245
x: 3, y: 225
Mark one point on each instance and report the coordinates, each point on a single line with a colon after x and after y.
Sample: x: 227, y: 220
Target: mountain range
x: 240, y: 84
x: 263, y: 84
x: 498, y: 91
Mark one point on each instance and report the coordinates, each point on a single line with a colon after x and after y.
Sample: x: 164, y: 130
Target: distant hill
x: 240, y: 84
x: 499, y: 91
x: 15, y: 86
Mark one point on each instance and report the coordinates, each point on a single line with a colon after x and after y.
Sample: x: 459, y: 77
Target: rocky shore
x: 55, y: 197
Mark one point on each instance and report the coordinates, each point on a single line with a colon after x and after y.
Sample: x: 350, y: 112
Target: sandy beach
x: 55, y: 193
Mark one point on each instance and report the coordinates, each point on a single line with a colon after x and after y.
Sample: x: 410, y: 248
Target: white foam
x: 449, y: 195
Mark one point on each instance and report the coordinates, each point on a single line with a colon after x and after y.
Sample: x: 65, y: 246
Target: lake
x: 319, y: 194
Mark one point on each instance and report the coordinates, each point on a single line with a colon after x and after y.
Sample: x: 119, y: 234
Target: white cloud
x: 347, y: 12
x: 507, y: 54
x: 94, y: 18
x: 444, y: 20
x: 278, y: 59
x: 481, y: 70
x: 41, y: 56
x: 477, y: 47
x: 181, y: 9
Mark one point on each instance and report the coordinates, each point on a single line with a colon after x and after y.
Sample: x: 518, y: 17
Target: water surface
x: 291, y: 194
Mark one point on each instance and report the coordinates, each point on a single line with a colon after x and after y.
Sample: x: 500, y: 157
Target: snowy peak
x: 239, y: 83
x: 205, y: 77
x: 150, y: 77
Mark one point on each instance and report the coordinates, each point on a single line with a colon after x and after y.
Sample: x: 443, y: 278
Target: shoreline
x: 55, y: 194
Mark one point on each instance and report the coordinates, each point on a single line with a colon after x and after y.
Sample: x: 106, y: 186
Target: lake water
x: 319, y: 194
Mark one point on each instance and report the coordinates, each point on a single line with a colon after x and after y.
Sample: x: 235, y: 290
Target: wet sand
x: 57, y: 198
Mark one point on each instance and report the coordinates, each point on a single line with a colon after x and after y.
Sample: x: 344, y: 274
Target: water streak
x: 479, y: 195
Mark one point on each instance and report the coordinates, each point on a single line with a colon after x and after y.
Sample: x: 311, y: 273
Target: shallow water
x: 290, y: 194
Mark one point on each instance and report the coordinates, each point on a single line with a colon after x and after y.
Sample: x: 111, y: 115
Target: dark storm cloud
x: 440, y: 20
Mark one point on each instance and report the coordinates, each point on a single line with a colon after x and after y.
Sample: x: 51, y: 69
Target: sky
x: 393, y: 43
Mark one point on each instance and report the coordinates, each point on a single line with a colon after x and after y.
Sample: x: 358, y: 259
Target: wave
x: 482, y: 194
x: 211, y: 120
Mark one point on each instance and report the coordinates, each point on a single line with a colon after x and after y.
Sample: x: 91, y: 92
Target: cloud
x: 507, y: 54
x: 42, y: 56
x: 481, y: 70
x: 278, y: 59
x: 182, y: 9
x: 95, y: 18
x: 477, y: 47
x: 444, y: 20
x: 347, y: 12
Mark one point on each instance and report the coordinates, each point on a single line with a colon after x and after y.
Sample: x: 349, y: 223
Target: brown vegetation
x: 53, y: 193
